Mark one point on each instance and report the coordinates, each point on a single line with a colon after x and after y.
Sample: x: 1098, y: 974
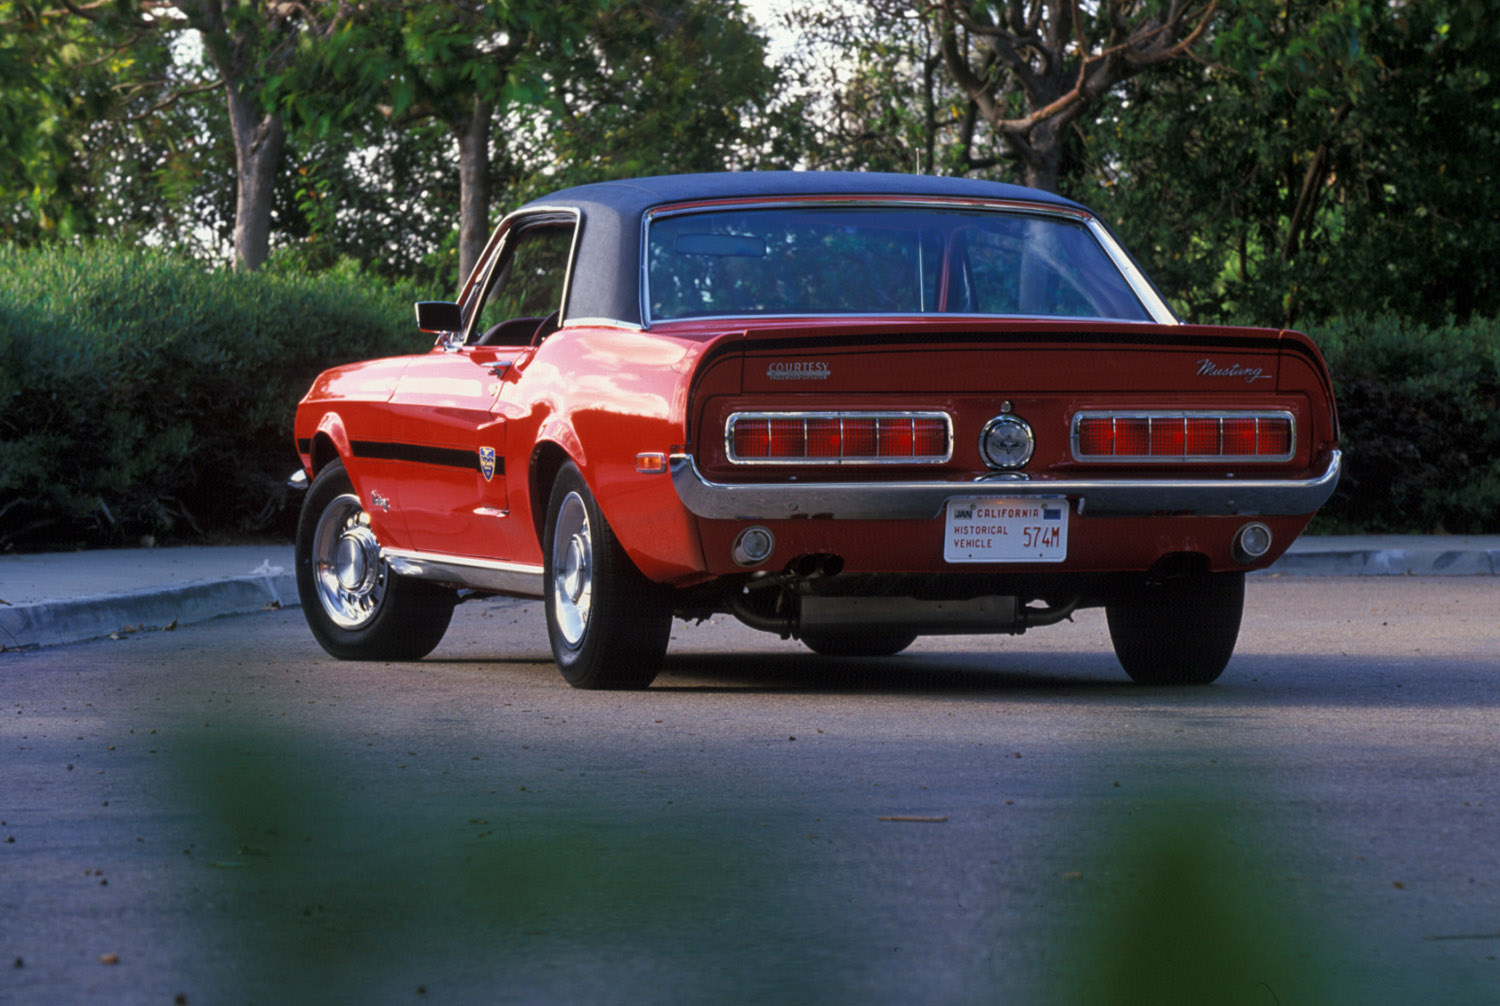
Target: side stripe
x: 421, y: 454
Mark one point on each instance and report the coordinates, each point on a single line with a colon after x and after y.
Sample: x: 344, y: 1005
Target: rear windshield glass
x: 881, y: 260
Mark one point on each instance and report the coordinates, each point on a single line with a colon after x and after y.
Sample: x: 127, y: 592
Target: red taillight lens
x: 839, y: 438
x: 1273, y: 435
x: 929, y: 437
x: 751, y: 438
x: 1239, y: 437
x: 1167, y: 437
x: 1201, y: 436
x: 895, y: 438
x: 788, y: 439
x: 1096, y: 436
x: 824, y: 438
x: 1194, y: 436
x: 1132, y: 437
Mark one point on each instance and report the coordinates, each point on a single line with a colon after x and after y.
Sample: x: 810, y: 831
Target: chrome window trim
x: 1160, y: 313
x: 932, y: 316
x: 920, y: 459
x: 1220, y: 414
x: 1142, y: 287
x: 604, y: 323
x: 507, y: 228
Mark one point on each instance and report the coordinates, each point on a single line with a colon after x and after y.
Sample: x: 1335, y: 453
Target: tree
x: 1325, y: 159
x: 1032, y: 68
x: 461, y: 65
x: 879, y: 97
x: 667, y: 86
x: 963, y: 86
x: 252, y: 45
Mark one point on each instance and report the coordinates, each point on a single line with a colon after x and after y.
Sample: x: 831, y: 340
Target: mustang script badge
x: 487, y: 462
x: 1208, y: 368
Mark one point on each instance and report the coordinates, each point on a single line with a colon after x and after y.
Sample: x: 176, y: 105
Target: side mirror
x: 439, y: 316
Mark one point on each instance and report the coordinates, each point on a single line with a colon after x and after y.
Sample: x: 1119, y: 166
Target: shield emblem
x: 487, y: 462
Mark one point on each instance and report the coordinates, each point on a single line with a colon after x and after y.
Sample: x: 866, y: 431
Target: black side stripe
x: 421, y: 454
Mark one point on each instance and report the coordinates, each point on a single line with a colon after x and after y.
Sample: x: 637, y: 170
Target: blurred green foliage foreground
x: 145, y: 395
x: 318, y: 891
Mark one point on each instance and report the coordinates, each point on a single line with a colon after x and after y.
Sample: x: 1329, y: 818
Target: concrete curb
x: 74, y: 620
x: 1389, y: 562
x: 158, y: 589
x: 1391, y: 555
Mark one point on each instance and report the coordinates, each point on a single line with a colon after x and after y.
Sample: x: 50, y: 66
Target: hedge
x: 143, y: 395
x: 1419, y: 408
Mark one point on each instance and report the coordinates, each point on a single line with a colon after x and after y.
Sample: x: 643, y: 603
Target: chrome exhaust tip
x: 753, y: 546
x: 1251, y: 542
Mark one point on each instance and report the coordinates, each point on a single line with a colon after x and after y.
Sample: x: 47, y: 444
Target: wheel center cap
x: 575, y: 568
x: 354, y: 559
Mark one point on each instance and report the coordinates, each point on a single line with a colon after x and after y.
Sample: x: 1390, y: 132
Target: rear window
x: 881, y: 260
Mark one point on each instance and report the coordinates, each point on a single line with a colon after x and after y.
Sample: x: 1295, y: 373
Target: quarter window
x: 528, y: 282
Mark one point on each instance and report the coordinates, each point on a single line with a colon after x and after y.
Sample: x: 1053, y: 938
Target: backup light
x: 1184, y: 436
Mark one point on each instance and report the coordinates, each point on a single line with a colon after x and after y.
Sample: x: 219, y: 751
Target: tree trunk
x: 1043, y: 154
x: 258, y: 139
x: 473, y: 188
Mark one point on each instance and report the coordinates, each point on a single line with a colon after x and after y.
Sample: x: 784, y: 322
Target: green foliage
x: 668, y: 86
x: 1420, y: 411
x: 141, y: 394
x: 1331, y: 158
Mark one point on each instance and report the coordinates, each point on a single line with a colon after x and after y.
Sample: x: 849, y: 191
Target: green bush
x: 143, y: 394
x: 1420, y: 411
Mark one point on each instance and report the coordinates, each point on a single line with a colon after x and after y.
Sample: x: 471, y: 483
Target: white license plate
x: 987, y: 529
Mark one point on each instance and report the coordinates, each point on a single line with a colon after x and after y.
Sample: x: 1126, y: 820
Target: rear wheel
x: 356, y: 607
x: 874, y: 643
x: 1178, y: 633
x: 607, y: 627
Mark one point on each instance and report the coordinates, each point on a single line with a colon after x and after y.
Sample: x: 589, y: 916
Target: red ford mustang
x: 849, y: 408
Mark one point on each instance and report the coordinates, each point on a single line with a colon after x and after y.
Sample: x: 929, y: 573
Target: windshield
x: 881, y: 260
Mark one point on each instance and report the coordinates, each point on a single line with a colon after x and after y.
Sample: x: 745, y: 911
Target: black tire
x: 1178, y: 633
x: 606, y: 622
x: 874, y: 643
x: 356, y: 607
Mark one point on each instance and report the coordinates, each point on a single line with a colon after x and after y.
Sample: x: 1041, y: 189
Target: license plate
x: 995, y: 529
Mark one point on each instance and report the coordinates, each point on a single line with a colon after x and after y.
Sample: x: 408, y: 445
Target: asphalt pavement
x: 48, y: 599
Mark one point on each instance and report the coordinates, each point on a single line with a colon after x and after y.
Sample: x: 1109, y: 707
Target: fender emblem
x: 378, y: 500
x: 487, y: 462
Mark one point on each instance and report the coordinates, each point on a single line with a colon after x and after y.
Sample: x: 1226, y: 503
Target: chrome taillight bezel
x: 735, y: 458
x: 1170, y: 415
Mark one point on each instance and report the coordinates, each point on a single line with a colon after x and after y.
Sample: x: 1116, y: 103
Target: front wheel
x: 356, y: 607
x: 1178, y: 633
x: 607, y: 627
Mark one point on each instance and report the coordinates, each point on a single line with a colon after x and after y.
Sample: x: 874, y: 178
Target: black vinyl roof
x: 606, y: 271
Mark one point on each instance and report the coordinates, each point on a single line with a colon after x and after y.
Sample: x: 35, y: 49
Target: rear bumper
x: 1099, y: 497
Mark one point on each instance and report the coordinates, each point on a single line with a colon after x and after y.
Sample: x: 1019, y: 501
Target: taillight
x: 1184, y: 436
x: 839, y: 438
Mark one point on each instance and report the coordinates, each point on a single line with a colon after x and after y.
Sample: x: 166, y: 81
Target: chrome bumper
x: 1098, y: 497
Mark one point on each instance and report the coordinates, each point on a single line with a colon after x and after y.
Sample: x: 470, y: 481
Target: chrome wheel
x: 608, y: 624
x: 572, y: 570
x: 348, y: 571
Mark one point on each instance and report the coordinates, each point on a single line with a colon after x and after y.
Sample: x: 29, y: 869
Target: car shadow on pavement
x: 907, y: 674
